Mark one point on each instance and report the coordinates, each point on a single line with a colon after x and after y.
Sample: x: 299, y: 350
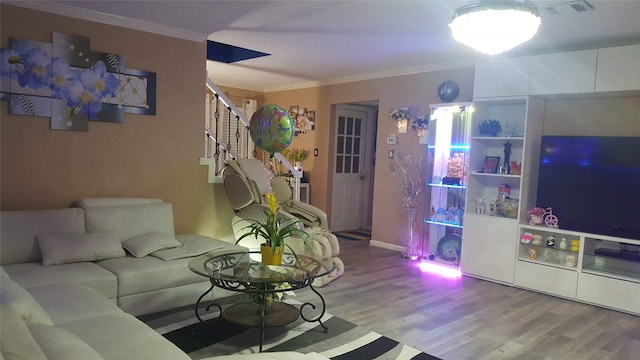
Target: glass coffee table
x: 240, y: 270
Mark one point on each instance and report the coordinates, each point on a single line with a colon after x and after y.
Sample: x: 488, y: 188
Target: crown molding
x: 100, y: 17
x: 373, y: 76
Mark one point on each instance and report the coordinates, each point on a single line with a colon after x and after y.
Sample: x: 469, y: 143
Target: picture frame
x: 491, y: 164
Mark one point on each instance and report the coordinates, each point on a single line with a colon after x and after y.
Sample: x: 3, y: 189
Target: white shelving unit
x: 606, y: 271
x: 493, y: 231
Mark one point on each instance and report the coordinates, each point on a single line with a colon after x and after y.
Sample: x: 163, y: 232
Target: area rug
x: 354, y: 234
x: 343, y: 341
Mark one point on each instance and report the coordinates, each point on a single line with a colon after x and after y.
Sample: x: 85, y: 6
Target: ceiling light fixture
x: 495, y: 26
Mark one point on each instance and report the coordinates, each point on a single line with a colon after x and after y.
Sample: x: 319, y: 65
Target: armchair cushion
x: 70, y: 248
x: 145, y: 244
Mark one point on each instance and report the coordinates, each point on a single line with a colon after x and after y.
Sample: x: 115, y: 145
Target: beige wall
x: 146, y: 156
x: 415, y: 91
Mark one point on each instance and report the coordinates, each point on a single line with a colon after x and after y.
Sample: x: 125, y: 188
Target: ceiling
x: 323, y: 42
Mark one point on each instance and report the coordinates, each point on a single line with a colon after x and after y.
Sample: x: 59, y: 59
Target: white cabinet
x: 610, y: 273
x: 491, y: 254
x: 618, y: 68
x: 599, y: 270
x: 563, y: 73
x: 495, y: 195
x: 502, y: 77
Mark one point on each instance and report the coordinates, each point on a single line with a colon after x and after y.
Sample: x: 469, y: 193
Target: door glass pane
x: 347, y: 149
x: 356, y: 164
x: 347, y: 164
x: 341, y: 125
x: 339, y: 164
x: 356, y: 146
x: 358, y: 126
x: 340, y: 145
x: 350, y: 126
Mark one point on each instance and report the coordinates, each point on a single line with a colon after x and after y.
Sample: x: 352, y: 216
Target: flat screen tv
x: 592, y: 183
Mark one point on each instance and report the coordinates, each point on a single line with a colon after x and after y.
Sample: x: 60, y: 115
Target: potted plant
x: 275, y: 230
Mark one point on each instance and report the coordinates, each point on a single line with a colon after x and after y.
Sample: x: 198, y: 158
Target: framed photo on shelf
x: 491, y: 164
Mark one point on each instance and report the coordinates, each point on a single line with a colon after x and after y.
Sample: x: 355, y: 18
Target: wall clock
x: 448, y: 91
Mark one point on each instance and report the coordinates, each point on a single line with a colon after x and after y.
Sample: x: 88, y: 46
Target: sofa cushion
x: 191, y: 245
x: 131, y: 220
x: 82, y: 273
x: 90, y: 202
x: 145, y: 274
x: 121, y: 336
x: 143, y: 245
x: 16, y: 342
x: 19, y: 300
x: 60, y: 344
x: 19, y: 229
x: 69, y: 248
x: 70, y: 302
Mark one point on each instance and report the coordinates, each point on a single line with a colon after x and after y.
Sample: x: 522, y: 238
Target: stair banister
x: 297, y: 174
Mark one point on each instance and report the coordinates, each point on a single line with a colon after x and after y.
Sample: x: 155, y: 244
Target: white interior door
x: 352, y: 168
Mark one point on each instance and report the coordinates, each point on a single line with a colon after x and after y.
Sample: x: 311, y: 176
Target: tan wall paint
x: 416, y: 91
x: 146, y: 156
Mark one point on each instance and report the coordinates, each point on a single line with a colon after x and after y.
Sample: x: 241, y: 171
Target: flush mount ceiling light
x: 495, y: 26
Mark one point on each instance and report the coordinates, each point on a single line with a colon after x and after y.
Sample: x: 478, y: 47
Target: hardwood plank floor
x: 470, y: 318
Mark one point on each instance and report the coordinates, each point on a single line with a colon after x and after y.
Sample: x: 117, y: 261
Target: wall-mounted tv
x: 592, y: 183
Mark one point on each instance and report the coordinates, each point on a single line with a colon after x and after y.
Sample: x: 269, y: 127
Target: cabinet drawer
x: 609, y: 292
x: 547, y: 279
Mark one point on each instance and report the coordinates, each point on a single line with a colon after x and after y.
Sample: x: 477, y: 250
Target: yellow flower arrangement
x: 277, y: 227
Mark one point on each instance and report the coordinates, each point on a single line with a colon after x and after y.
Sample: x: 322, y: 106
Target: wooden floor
x: 471, y: 318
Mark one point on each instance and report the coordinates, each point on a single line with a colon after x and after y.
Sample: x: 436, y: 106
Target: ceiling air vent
x: 569, y: 7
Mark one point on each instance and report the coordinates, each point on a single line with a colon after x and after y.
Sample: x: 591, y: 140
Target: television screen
x: 592, y: 183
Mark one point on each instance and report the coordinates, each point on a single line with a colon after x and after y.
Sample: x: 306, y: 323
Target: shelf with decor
x: 614, y: 258
x: 447, y: 177
x: 503, y: 156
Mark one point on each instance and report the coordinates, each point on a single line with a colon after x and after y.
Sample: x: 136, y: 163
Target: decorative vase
x: 269, y: 257
x: 409, y: 235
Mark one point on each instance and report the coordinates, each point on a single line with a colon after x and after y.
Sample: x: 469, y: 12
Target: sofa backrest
x: 18, y: 231
x: 131, y: 220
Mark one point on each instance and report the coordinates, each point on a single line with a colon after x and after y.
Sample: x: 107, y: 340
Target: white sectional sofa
x: 70, y: 290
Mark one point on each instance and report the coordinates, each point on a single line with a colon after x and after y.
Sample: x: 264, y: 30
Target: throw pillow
x: 14, y: 296
x: 145, y: 244
x: 60, y: 344
x: 16, y: 342
x: 69, y: 248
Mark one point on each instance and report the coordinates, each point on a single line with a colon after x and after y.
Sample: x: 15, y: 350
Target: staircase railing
x: 218, y: 149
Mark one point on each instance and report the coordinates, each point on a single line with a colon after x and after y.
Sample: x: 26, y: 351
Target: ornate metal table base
x: 251, y: 314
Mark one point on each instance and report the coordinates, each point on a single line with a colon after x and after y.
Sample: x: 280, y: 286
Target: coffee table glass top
x: 238, y: 268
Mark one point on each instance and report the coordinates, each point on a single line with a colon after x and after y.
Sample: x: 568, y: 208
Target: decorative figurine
x: 507, y: 156
x: 533, y: 253
x: 481, y: 206
x: 492, y: 208
x: 563, y: 243
x: 536, y: 214
x: 575, y: 245
x: 537, y: 240
x: 551, y: 240
x: 526, y: 238
x: 570, y: 260
x: 516, y: 168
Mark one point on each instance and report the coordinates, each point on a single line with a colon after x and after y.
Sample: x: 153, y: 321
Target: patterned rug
x: 343, y: 341
x: 354, y: 234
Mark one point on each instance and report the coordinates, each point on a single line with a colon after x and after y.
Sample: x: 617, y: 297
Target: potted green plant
x: 275, y: 230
